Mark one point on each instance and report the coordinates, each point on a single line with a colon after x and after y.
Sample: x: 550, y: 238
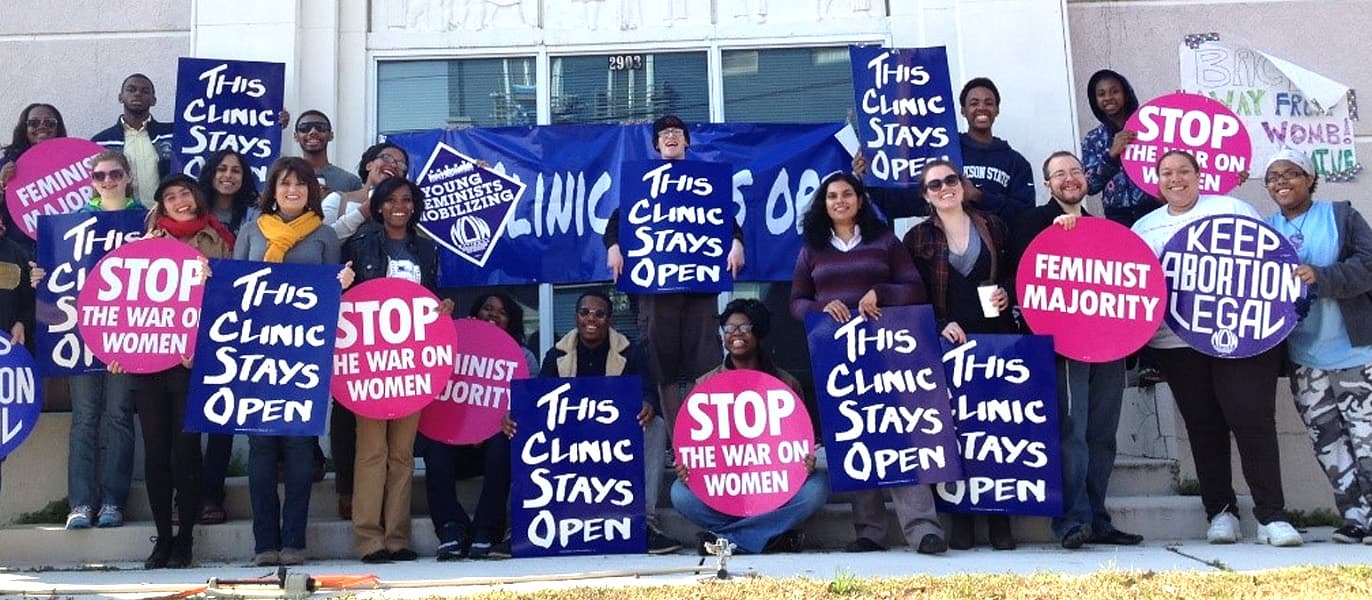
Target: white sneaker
x: 1224, y: 529
x: 1279, y: 533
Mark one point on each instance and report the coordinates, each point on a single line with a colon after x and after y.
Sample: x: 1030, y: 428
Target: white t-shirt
x: 1157, y: 227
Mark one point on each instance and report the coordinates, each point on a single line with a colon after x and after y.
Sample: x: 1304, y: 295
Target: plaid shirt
x: 928, y: 247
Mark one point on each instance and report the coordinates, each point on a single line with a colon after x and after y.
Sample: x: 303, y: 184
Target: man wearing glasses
x: 144, y: 141
x: 1089, y: 394
x: 314, y: 131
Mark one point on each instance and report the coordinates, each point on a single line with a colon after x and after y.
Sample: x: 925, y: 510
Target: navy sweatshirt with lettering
x: 1003, y: 175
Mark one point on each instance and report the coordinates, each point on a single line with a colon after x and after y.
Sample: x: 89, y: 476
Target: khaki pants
x: 383, y: 477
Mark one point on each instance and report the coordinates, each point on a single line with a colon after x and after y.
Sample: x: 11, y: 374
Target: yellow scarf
x: 282, y: 236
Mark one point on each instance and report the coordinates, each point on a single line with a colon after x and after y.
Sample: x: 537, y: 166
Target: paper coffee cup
x: 988, y: 308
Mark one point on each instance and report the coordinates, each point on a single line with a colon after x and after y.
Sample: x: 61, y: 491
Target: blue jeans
x: 751, y: 533
x: 218, y: 453
x: 273, y: 526
x: 1089, y: 399
x: 95, y: 478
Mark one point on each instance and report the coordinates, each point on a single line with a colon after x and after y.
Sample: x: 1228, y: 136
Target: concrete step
x: 1158, y: 518
x: 1131, y: 477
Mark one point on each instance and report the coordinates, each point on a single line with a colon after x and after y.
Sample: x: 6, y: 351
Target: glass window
x: 480, y: 92
x: 787, y: 85
x: 624, y: 319
x: 629, y: 86
x: 525, y: 295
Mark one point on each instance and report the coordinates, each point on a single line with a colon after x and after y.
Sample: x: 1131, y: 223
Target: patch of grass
x: 1188, y: 487
x: 54, y: 513
x: 1320, y: 517
x: 1314, y: 583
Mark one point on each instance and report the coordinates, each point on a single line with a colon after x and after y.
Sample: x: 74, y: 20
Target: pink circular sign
x: 743, y: 437
x: 469, y: 409
x: 52, y: 178
x: 1197, y: 124
x: 140, y: 306
x: 1097, y: 289
x: 394, y: 351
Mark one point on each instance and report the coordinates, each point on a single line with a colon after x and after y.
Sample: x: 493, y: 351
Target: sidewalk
x: 1152, y: 556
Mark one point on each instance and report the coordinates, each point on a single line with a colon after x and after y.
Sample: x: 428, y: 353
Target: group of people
x: 981, y: 216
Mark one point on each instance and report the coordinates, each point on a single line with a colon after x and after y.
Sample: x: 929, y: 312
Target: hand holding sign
x: 1207, y: 129
x: 52, y: 178
x: 477, y: 396
x: 745, y: 436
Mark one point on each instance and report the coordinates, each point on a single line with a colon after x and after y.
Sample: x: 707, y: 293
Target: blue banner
x: 676, y: 225
x: 68, y: 247
x: 466, y: 207
x: 907, y: 113
x: 572, y: 171
x: 264, y: 350
x: 228, y: 104
x: 883, y: 400
x: 576, y: 469
x: 21, y: 395
x: 1005, y: 399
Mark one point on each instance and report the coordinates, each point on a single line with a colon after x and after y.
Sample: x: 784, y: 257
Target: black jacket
x: 160, y: 133
x: 367, y: 251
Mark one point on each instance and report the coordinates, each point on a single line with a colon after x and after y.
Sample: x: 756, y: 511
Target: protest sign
x: 1197, y: 124
x: 883, y: 399
x: 907, y: 113
x: 576, y: 478
x: 676, y: 223
x: 466, y: 206
x: 1005, y: 397
x: 263, y: 360
x: 743, y: 436
x: 69, y: 246
x: 394, y: 352
x: 52, y: 178
x: 1231, y: 293
x: 141, y: 308
x: 1280, y: 103
x: 573, y: 178
x: 1097, y: 290
x: 21, y: 395
x: 228, y: 104
x: 477, y: 395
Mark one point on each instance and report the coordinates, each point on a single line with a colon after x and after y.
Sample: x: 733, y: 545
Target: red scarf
x: 182, y: 230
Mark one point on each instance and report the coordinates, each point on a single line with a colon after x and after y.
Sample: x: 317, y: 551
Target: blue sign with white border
x: 676, y: 226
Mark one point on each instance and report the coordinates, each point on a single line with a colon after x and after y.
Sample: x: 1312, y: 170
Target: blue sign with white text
x: 573, y: 173
x: 264, y: 350
x: 883, y: 399
x: 576, y: 474
x: 21, y: 391
x: 68, y: 247
x: 228, y: 104
x: 676, y: 224
x: 907, y: 113
x: 466, y: 207
x: 1005, y: 400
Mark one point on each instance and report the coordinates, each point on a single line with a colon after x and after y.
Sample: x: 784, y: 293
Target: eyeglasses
x: 598, y: 313
x: 1286, y: 175
x: 672, y: 132
x: 1057, y: 175
x: 113, y: 175
x: 743, y: 328
x: 47, y: 122
x: 938, y: 184
x: 308, y: 126
x: 391, y: 160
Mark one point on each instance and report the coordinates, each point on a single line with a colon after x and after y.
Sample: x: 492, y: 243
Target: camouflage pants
x: 1336, y: 406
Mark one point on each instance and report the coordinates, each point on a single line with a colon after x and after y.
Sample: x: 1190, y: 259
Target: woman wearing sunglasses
x: 37, y: 122
x: 958, y: 250
x: 850, y: 261
x: 97, y: 396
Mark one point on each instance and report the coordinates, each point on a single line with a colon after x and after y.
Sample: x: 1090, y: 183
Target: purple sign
x: 21, y: 395
x: 576, y: 468
x: 1231, y: 292
x: 228, y: 105
x: 1005, y: 399
x: 466, y: 207
x: 883, y: 400
x: 676, y: 223
x: 907, y: 113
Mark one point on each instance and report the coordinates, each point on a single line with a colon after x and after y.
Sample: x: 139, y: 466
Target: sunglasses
x: 47, y: 122
x: 115, y: 175
x: 598, y: 313
x: 938, y: 184
x: 309, y: 126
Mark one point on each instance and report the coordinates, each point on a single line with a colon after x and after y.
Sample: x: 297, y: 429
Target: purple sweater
x: 825, y: 274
